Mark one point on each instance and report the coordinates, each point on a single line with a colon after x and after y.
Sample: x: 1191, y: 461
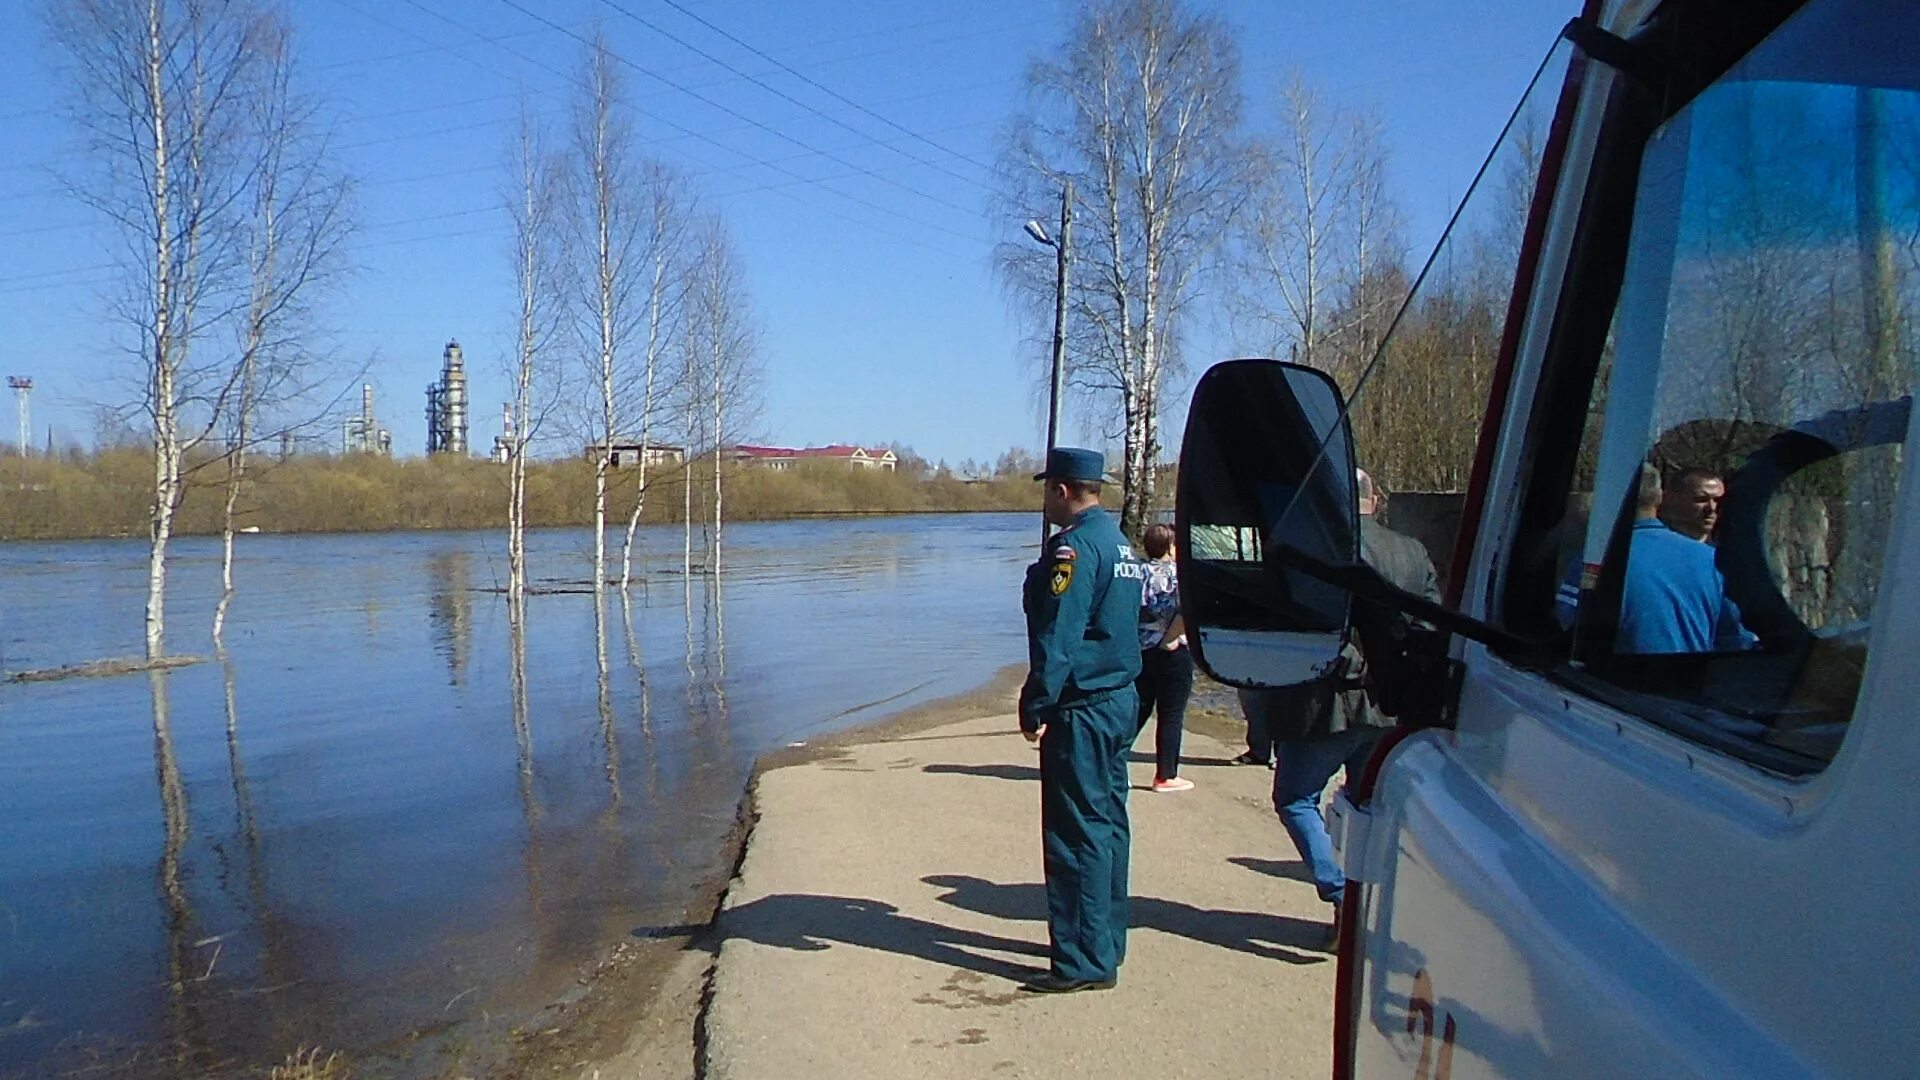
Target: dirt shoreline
x: 638, y: 1006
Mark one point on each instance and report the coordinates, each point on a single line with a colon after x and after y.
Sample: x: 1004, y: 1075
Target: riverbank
x: 391, y: 822
x: 636, y: 1008
x: 886, y: 898
x: 109, y: 494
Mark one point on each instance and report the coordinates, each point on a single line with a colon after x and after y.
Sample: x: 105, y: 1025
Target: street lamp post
x: 1063, y: 252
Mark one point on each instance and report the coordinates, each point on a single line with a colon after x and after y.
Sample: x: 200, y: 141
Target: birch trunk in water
x: 662, y: 240
x: 532, y: 212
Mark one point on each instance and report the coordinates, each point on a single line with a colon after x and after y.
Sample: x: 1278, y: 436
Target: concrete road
x: 891, y: 898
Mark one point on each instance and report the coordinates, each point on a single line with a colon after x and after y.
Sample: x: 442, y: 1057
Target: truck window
x: 1745, y: 438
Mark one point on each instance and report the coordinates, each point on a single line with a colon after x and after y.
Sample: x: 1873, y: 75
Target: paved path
x: 890, y: 897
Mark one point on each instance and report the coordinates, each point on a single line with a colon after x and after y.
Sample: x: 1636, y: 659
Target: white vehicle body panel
x: 1560, y: 888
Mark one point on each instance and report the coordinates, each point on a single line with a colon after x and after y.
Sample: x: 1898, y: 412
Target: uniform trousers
x: 1085, y: 834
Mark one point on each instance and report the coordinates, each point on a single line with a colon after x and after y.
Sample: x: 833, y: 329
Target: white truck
x: 1588, y: 849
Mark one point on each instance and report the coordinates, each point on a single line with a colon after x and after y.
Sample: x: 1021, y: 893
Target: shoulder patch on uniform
x: 1065, y: 553
x: 1062, y: 576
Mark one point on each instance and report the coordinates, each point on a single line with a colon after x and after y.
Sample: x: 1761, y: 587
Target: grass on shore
x: 108, y: 494
x: 307, y: 1064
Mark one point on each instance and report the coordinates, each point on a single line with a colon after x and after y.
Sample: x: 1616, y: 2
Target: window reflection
x: 1754, y: 402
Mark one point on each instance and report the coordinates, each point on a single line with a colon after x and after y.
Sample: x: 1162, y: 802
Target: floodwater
x: 376, y: 821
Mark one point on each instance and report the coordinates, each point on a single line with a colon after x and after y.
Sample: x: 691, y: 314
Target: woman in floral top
x: 1166, y: 667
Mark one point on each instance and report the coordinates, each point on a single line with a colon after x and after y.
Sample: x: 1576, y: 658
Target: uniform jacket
x: 1082, y: 600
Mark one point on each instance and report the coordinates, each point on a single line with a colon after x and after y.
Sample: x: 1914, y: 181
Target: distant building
x: 447, y: 405
x: 363, y: 434
x: 503, y: 442
x: 780, y: 458
x: 625, y: 455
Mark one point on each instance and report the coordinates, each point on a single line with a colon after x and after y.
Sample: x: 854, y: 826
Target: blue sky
x: 870, y: 272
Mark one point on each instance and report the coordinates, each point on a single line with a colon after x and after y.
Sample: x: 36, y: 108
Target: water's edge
x: 635, y: 996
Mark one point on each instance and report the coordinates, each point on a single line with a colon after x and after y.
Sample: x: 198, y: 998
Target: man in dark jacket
x: 1345, y: 729
x: 1082, y: 601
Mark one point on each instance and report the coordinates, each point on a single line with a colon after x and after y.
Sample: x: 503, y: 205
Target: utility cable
x: 784, y: 96
x: 790, y: 70
x: 683, y: 129
x: 738, y: 115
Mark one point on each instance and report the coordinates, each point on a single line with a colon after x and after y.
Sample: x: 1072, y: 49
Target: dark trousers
x: 1085, y: 834
x: 1164, y: 685
x: 1259, y: 736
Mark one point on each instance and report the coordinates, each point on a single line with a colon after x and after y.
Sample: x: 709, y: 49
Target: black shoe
x: 1248, y: 759
x: 1049, y: 983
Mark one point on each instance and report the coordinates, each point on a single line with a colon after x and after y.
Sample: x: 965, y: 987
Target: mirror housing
x: 1266, y: 474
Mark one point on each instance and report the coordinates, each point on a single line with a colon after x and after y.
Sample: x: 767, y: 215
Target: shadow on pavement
x: 1291, y: 869
x: 1274, y: 937
x: 810, y: 923
x: 997, y: 772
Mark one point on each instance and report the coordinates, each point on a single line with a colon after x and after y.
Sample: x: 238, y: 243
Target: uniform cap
x: 1074, y: 463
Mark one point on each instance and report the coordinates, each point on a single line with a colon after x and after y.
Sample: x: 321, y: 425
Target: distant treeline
x: 107, y: 494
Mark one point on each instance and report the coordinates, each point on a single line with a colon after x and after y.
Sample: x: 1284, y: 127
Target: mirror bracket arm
x: 1365, y: 583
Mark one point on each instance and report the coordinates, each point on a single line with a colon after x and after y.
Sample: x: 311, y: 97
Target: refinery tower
x: 447, y: 405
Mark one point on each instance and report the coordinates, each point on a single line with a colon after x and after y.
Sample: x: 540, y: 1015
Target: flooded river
x: 375, y: 818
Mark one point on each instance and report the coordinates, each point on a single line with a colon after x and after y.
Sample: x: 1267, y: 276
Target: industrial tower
x: 447, y: 405
x: 22, y: 389
x: 363, y: 434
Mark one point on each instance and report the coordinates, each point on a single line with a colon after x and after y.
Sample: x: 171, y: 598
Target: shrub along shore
x: 108, y: 494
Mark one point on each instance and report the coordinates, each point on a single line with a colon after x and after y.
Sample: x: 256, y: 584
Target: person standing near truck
x: 1345, y: 733
x: 1166, y: 666
x: 1082, y: 602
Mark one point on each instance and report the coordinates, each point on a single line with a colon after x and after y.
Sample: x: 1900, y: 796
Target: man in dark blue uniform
x: 1082, y: 601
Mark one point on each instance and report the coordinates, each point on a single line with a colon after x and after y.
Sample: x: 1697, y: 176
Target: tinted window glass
x: 1755, y: 402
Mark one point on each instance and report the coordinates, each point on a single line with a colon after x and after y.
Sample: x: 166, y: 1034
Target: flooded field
x: 381, y: 818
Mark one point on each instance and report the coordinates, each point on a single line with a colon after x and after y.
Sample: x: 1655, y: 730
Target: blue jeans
x: 1305, y: 766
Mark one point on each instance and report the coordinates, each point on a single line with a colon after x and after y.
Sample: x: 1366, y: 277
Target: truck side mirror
x: 1266, y: 471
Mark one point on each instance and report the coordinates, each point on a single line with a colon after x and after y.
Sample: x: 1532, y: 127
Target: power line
x: 772, y: 186
x: 776, y: 133
x: 790, y: 70
x: 783, y: 95
x: 699, y: 135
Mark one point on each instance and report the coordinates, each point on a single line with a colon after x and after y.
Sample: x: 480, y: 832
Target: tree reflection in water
x: 450, y: 608
x: 183, y: 969
x: 634, y: 661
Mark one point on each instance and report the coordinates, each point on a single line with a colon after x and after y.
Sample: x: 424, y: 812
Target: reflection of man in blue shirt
x: 1674, y: 599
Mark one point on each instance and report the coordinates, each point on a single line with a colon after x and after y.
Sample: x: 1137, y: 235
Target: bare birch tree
x: 721, y: 355
x: 667, y: 206
x: 1140, y: 109
x: 532, y: 206
x: 297, y: 217
x: 157, y: 88
x: 609, y: 237
x: 1316, y: 226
